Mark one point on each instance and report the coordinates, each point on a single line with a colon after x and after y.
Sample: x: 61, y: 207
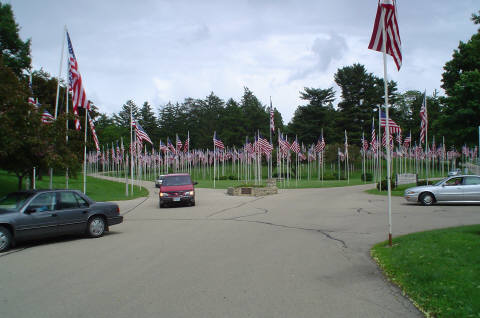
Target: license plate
x: 176, y: 199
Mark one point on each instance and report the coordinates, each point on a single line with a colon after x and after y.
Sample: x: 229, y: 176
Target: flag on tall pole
x: 75, y: 84
x: 386, y: 13
x: 386, y: 39
x: 423, y: 119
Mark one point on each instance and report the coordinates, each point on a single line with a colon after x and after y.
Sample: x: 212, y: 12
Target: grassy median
x: 439, y: 270
x: 97, y: 189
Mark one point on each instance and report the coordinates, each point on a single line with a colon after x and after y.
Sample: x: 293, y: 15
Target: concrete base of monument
x: 254, y: 191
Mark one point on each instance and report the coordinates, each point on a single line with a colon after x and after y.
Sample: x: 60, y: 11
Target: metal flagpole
x: 60, y: 70
x: 66, y: 132
x: 387, y: 127
x: 131, y: 151
x: 85, y: 156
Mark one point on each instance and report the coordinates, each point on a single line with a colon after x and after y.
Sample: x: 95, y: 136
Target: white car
x: 159, y: 180
x: 455, y: 172
x: 454, y: 189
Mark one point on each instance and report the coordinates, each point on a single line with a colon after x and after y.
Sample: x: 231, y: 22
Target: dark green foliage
x: 424, y: 182
x: 367, y: 177
x: 461, y: 81
x: 384, y: 187
x: 15, y: 52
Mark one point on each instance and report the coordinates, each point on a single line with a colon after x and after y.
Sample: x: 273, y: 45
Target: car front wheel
x: 96, y: 226
x: 427, y: 199
x: 5, y: 239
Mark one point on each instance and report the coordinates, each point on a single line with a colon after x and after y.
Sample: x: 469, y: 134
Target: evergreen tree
x: 460, y: 117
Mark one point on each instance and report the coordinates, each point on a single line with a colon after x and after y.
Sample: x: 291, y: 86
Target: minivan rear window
x: 176, y: 180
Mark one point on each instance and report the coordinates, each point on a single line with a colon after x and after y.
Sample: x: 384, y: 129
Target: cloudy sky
x: 160, y: 51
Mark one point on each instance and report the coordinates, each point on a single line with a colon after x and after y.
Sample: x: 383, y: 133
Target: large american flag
x: 217, y: 142
x: 423, y: 119
x: 386, y: 12
x: 393, y: 127
x: 75, y: 84
x: 141, y: 133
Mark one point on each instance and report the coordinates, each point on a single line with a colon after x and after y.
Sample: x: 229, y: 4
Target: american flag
x: 399, y: 138
x: 393, y: 127
x: 272, y: 122
x: 264, y: 145
x: 423, y: 119
x: 373, y: 141
x: 162, y: 146
x: 75, y: 84
x: 94, y: 134
x: 47, y: 118
x: 407, y: 141
x: 295, y: 147
x: 217, y: 142
x: 386, y: 12
x: 320, y: 146
x: 186, y: 146
x: 178, y: 144
x: 170, y: 145
x: 249, y: 148
x: 141, y: 133
x: 346, y: 144
x: 283, y: 143
x: 364, y: 143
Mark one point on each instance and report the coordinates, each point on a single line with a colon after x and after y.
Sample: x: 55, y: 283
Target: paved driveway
x: 301, y: 253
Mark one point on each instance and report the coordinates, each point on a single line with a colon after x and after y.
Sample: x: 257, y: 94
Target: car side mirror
x: 195, y: 183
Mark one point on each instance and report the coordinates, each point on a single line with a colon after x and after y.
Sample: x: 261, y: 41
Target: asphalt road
x: 301, y: 253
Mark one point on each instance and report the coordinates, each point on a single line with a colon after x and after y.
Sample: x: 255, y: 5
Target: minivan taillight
x: 118, y: 209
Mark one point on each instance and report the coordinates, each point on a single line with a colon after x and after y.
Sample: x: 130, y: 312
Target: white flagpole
x: 387, y: 127
x: 214, y: 158
x: 66, y: 132
x: 85, y: 156
x: 131, y: 152
x: 60, y: 71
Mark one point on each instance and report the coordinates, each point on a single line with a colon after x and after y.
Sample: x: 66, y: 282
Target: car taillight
x: 118, y: 209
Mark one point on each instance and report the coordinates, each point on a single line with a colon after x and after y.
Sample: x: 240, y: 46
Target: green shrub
x: 232, y: 177
x: 424, y: 182
x: 367, y: 177
x: 222, y: 178
x: 384, y: 185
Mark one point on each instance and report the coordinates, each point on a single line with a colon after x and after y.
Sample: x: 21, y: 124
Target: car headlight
x: 189, y: 193
x: 163, y: 194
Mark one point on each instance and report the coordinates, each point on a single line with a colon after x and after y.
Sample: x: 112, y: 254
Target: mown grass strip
x: 97, y: 189
x: 439, y: 270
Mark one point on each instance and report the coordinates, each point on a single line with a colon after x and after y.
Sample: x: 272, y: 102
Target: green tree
x: 309, y: 120
x: 123, y: 117
x: 147, y: 119
x: 15, y: 52
x: 362, y: 94
x: 461, y: 82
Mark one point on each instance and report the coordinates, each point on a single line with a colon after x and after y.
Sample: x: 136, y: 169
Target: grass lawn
x: 97, y: 189
x: 397, y: 192
x: 439, y: 270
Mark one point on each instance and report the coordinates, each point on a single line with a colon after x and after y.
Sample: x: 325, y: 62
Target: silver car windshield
x: 14, y: 201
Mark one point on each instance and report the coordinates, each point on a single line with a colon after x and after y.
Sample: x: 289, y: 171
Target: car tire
x: 427, y: 199
x: 192, y: 203
x: 96, y: 226
x: 5, y: 239
x: 160, y: 205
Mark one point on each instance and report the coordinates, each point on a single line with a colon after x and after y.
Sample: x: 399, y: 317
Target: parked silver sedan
x: 461, y: 189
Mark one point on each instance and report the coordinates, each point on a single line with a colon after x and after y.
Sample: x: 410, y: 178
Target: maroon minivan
x: 177, y: 188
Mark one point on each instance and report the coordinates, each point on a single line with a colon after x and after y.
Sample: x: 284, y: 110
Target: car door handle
x: 84, y: 212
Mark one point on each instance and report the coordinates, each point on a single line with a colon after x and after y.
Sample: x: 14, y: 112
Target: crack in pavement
x: 234, y: 207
